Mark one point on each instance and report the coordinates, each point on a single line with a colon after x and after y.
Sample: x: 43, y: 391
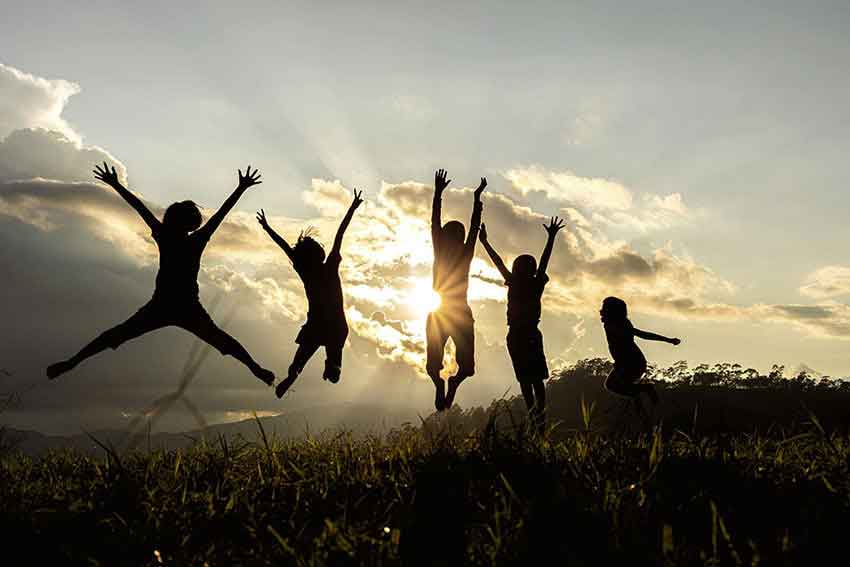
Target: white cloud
x: 566, y: 186
x: 604, y: 201
x: 826, y: 282
x: 27, y: 101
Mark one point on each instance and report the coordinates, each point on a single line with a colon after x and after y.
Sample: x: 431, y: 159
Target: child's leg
x: 621, y: 381
x: 527, y: 394
x: 463, y: 335
x: 302, y: 355
x: 540, y: 404
x: 142, y: 321
x: 200, y: 324
x: 435, y: 338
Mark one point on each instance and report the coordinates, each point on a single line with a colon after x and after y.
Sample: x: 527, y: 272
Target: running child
x: 326, y: 325
x: 629, y: 361
x: 453, y: 318
x: 526, y: 280
x: 181, y: 241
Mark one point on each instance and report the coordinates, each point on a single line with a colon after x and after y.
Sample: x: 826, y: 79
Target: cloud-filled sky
x: 698, y: 154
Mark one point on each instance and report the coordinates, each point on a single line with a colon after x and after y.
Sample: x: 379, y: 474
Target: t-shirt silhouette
x: 621, y: 342
x: 524, y: 300
x: 323, y: 287
x: 451, y: 274
x: 179, y: 262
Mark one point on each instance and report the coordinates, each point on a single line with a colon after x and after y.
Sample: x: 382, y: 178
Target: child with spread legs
x: 181, y: 241
x: 326, y: 325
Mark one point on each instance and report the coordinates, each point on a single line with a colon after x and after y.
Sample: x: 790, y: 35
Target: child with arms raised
x: 181, y: 241
x: 525, y: 282
x: 453, y: 319
x: 326, y: 325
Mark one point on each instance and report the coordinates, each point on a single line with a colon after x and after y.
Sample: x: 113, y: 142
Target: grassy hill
x: 470, y: 487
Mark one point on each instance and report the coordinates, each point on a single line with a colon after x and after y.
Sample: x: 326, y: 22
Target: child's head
x: 307, y: 250
x: 183, y: 216
x: 524, y: 266
x: 453, y: 234
x: 613, y: 310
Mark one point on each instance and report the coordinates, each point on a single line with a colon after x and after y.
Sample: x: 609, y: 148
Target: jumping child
x: 629, y: 361
x: 453, y: 318
x: 181, y: 241
x: 525, y: 282
x: 326, y: 325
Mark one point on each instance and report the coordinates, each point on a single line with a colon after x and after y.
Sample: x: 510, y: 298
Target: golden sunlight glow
x: 421, y: 298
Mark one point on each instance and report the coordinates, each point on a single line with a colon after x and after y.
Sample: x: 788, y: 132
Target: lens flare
x: 422, y: 299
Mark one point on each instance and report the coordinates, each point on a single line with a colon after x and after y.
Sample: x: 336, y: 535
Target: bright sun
x: 422, y: 298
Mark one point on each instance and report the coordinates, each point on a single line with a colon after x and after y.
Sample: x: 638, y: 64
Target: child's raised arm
x: 646, y: 335
x: 475, y: 221
x: 250, y: 179
x: 555, y: 224
x: 278, y: 239
x: 343, y: 226
x: 494, y: 256
x: 110, y: 177
x: 440, y: 184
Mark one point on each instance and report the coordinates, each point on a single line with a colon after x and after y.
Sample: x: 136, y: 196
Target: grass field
x: 426, y: 496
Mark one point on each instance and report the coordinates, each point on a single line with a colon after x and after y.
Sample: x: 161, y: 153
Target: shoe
x: 267, y: 376
x: 56, y: 370
x: 284, y: 385
x: 331, y: 373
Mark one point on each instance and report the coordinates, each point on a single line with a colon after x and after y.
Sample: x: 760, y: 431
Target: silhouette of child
x: 525, y: 282
x: 326, y: 325
x: 181, y: 241
x: 629, y: 361
x: 453, y: 318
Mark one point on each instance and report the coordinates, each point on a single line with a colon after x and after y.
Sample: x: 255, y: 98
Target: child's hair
x: 308, y: 250
x: 614, y: 309
x: 453, y: 233
x: 524, y: 266
x: 183, y: 215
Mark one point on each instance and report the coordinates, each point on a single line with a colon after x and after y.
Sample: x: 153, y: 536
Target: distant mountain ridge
x: 359, y: 419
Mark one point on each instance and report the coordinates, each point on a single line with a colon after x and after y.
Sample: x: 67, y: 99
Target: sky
x: 696, y: 150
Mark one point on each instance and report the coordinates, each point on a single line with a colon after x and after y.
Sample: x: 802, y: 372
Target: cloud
x: 79, y: 259
x: 826, y: 282
x: 27, y: 101
x: 591, y: 192
x: 601, y: 201
x: 45, y: 154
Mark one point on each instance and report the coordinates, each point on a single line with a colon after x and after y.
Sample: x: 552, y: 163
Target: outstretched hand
x: 481, y: 187
x: 249, y: 179
x: 555, y: 224
x: 440, y: 181
x: 103, y: 173
x: 675, y: 342
x: 358, y: 199
x: 261, y: 218
x: 482, y: 233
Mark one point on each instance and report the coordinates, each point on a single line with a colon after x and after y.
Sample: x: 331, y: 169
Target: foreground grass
x: 590, y: 498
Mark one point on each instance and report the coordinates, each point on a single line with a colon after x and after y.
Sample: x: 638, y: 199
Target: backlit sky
x: 698, y: 151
